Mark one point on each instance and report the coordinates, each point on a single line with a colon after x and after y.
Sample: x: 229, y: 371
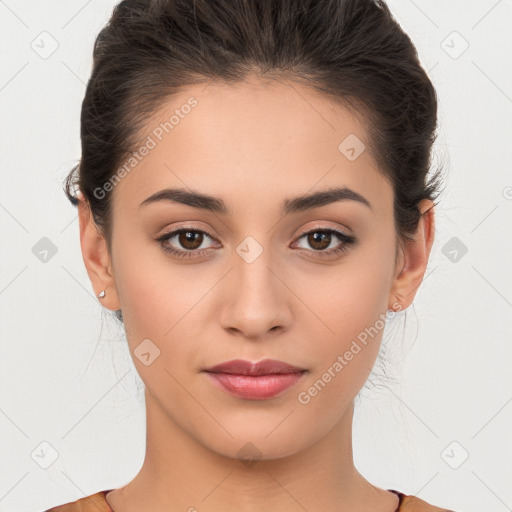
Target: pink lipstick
x: 255, y: 381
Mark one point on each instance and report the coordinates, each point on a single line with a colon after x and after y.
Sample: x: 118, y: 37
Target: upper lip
x: 263, y: 367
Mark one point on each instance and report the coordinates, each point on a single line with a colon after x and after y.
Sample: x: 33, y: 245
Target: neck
x: 181, y: 473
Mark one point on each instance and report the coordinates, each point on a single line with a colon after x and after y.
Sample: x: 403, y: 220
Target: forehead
x: 271, y: 139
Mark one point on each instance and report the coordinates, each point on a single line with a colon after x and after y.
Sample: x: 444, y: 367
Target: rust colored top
x: 97, y: 503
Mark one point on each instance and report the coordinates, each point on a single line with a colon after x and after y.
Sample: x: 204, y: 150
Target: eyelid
x: 185, y: 226
x: 324, y: 227
x: 344, y: 238
x: 319, y: 227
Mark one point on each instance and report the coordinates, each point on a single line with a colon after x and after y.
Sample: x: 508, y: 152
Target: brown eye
x: 185, y: 242
x: 190, y: 239
x: 320, y: 239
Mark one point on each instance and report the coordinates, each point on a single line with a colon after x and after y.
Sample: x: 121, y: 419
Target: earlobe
x: 414, y: 257
x: 96, y: 258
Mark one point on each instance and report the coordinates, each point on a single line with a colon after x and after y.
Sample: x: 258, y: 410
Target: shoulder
x: 97, y: 503
x: 413, y: 504
x: 94, y: 503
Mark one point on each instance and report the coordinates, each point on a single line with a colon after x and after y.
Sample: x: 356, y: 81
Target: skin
x: 253, y: 145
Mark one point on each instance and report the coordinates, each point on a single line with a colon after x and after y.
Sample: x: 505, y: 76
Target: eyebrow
x: 293, y: 205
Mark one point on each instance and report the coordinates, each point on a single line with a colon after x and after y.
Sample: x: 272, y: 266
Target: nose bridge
x: 253, y: 270
x: 255, y: 300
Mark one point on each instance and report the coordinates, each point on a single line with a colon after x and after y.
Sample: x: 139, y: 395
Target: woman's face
x: 249, y: 284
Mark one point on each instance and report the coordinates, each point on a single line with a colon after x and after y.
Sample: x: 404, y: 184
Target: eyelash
x: 347, y: 242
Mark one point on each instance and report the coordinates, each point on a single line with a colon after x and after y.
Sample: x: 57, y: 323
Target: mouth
x: 255, y: 381
x: 263, y: 367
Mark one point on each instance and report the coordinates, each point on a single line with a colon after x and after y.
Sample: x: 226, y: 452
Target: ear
x: 413, y: 258
x: 96, y: 257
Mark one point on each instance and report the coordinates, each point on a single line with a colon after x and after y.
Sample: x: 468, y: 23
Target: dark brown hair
x: 353, y: 51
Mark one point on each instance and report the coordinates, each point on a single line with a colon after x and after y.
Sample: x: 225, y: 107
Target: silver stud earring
x: 101, y: 294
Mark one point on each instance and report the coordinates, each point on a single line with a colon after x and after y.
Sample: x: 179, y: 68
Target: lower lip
x: 258, y: 387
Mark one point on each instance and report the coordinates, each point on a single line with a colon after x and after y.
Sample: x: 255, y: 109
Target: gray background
x: 68, y: 389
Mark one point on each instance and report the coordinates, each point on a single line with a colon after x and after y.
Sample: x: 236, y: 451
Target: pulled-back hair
x: 353, y: 51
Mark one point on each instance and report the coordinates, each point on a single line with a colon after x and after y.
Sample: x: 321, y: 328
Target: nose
x: 255, y: 298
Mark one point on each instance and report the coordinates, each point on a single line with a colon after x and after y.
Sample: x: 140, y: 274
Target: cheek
x: 146, y: 295
x: 348, y: 298
x: 163, y: 303
x: 150, y: 288
x: 349, y: 304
